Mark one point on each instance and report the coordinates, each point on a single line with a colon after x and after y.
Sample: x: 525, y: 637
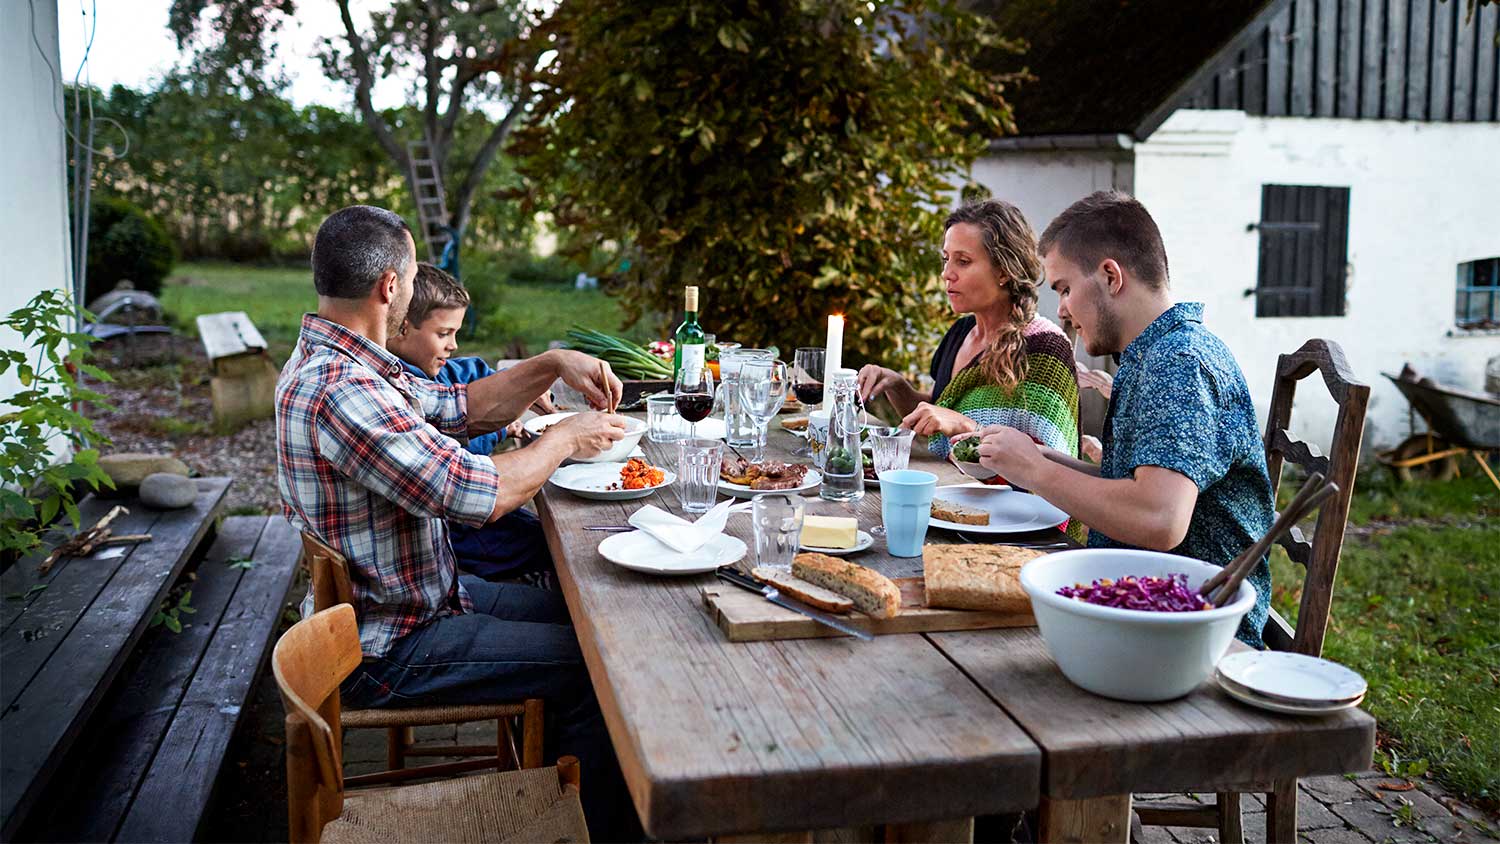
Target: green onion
x: 625, y: 358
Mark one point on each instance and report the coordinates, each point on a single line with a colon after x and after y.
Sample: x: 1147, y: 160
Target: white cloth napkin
x: 678, y: 533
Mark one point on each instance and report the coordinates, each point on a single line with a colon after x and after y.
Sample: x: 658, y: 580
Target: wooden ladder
x: 432, y: 203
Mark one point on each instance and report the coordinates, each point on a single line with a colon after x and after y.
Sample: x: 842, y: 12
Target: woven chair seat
x: 514, y: 806
x: 423, y: 716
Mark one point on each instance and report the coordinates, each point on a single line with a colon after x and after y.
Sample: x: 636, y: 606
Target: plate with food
x: 742, y: 479
x: 977, y: 508
x: 634, y: 478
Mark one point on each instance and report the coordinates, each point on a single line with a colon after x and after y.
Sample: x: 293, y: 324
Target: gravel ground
x: 162, y: 405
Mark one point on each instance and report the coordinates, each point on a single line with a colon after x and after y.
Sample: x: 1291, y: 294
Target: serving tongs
x: 1223, y: 586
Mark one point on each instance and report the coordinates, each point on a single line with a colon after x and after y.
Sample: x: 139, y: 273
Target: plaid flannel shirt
x: 359, y: 465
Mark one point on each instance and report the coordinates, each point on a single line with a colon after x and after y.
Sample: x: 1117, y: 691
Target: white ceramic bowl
x: 618, y: 453
x: 1129, y: 654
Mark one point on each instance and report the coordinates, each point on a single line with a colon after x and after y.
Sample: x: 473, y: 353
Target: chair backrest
x: 309, y: 662
x: 1319, y: 558
x: 330, y: 573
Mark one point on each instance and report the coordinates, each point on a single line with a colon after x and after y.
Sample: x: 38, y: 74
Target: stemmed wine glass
x: 694, y: 391
x: 762, y: 386
x: 807, y: 383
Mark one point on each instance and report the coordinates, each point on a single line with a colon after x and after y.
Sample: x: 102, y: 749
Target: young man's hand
x: 590, y: 376
x: 589, y: 433
x: 1011, y: 453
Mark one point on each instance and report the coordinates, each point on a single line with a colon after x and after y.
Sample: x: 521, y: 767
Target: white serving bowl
x: 1130, y: 654
x: 618, y: 453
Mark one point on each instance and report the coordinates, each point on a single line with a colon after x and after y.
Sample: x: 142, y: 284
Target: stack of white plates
x: 1290, y: 683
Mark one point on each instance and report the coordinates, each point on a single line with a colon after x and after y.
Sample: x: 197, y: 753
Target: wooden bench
x: 161, y: 737
x: 243, y: 385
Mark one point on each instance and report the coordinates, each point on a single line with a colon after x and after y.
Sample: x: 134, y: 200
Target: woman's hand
x: 1095, y: 379
x: 875, y: 381
x: 929, y: 419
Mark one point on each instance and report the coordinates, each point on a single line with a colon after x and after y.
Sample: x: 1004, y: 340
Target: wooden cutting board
x: 747, y: 617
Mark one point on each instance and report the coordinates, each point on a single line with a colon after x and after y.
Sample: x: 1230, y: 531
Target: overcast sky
x: 132, y: 46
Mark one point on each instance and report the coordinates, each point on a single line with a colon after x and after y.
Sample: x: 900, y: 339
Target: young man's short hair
x: 1109, y: 224
x: 433, y: 290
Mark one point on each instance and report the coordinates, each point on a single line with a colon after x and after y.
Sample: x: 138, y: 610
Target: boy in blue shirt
x: 512, y: 547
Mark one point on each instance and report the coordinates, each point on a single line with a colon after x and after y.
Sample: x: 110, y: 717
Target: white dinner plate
x: 1246, y: 696
x: 1010, y: 511
x: 862, y: 541
x: 640, y: 551
x: 1293, y: 679
x: 811, y: 482
x: 593, y: 480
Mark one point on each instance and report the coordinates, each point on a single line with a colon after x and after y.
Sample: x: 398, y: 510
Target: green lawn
x: 1417, y: 611
x: 276, y: 298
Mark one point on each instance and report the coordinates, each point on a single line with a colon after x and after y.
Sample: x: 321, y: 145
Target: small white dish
x: 811, y: 482
x: 617, y: 453
x: 593, y: 480
x: 1010, y: 511
x: 862, y: 540
x: 1293, y: 679
x: 642, y: 552
x: 1250, y: 698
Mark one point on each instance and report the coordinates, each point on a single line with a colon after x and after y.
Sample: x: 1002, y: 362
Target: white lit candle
x: 833, y: 356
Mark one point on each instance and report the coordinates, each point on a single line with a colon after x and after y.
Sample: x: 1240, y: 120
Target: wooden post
x: 1095, y: 821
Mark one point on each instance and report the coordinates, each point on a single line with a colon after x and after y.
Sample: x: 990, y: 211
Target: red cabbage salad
x: 1152, y: 594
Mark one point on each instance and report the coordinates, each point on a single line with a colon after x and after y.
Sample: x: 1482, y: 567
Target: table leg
x: 935, y: 832
x: 1098, y: 819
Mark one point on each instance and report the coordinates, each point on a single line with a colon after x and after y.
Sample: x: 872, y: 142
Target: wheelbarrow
x: 1458, y: 421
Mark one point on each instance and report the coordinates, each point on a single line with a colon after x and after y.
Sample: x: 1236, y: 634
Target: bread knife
x: 772, y: 594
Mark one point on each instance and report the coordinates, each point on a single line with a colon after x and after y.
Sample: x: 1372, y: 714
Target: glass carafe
x: 843, y: 461
x: 740, y: 429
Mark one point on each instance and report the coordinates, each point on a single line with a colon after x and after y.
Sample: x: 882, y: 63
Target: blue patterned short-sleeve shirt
x: 1180, y: 402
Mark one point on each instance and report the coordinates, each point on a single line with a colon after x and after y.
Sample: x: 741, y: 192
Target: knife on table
x: 732, y: 575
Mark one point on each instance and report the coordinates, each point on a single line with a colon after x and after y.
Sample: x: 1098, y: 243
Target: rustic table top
x: 717, y: 737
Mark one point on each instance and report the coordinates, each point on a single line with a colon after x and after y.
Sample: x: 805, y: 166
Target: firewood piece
x: 84, y: 543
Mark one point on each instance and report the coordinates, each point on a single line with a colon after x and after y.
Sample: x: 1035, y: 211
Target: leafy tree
x: 460, y: 52
x: 794, y: 157
x: 124, y: 243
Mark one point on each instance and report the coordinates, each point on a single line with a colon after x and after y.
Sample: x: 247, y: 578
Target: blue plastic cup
x: 905, y: 509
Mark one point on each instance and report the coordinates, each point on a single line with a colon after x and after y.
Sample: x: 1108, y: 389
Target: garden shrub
x: 126, y: 243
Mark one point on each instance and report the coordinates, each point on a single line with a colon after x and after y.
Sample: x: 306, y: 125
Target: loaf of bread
x: 796, y: 423
x: 976, y: 577
x: 958, y: 513
x: 807, y: 593
x: 872, y: 592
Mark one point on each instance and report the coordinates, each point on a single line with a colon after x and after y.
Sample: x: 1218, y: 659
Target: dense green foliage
x: 44, y: 414
x: 794, y: 159
x: 1415, y: 611
x: 126, y: 244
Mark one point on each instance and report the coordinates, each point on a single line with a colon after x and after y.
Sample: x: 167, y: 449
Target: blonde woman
x: 1001, y: 364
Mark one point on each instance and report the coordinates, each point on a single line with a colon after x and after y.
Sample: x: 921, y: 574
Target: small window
x: 1304, y: 248
x: 1479, y: 294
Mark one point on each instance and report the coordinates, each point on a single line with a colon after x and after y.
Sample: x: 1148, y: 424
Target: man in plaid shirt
x: 370, y: 461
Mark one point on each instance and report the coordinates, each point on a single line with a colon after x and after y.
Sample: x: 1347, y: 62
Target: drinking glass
x: 890, y: 448
x: 694, y: 395
x: 739, y: 428
x: 698, y: 473
x: 663, y: 425
x: 905, y: 509
x: 778, y: 529
x: 807, y: 384
x: 762, y: 386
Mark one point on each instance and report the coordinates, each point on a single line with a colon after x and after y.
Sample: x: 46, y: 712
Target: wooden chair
x: 1319, y: 559
x: 310, y: 660
x: 331, y: 587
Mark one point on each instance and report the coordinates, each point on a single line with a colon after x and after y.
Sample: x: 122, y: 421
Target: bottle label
x: 693, y: 356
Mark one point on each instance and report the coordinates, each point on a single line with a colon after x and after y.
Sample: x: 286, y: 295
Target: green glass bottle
x: 690, y: 339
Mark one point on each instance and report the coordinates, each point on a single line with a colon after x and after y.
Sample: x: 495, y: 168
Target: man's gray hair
x: 357, y: 245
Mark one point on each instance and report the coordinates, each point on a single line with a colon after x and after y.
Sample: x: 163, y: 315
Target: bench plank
x: 40, y: 723
x: 19, y: 578
x: 116, y: 749
x: 184, y: 771
x: 229, y: 333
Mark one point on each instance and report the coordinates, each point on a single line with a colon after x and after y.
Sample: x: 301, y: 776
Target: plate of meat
x: 612, y: 481
x: 742, y: 479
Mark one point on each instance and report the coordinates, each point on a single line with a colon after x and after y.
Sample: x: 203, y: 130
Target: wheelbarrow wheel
x: 1415, y: 446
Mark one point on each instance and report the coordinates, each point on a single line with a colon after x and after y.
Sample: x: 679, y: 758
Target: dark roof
x: 1105, y: 66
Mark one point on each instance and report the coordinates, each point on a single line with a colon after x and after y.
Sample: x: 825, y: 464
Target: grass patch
x: 275, y: 298
x: 1417, y: 612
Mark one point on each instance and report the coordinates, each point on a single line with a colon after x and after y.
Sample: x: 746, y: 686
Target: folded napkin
x: 678, y: 533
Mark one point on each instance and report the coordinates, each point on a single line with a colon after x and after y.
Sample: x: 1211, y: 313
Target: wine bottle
x: 690, y: 338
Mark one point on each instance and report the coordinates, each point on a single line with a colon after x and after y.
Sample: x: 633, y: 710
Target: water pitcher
x: 843, y: 462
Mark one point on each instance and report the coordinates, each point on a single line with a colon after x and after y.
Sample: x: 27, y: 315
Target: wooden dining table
x: 904, y: 738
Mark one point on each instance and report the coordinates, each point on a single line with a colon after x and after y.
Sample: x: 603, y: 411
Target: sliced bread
x: 872, y: 592
x: 949, y: 511
x: 794, y: 587
x: 976, y: 577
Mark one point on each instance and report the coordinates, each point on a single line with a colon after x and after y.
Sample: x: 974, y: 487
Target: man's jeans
x: 518, y: 643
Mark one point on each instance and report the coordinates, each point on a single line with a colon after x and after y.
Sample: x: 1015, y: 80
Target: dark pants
x: 518, y: 643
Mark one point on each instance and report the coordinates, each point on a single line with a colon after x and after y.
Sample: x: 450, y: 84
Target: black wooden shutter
x: 1304, y: 246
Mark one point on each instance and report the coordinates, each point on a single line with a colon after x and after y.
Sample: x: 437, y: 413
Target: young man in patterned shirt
x: 1184, y: 469
x: 370, y: 460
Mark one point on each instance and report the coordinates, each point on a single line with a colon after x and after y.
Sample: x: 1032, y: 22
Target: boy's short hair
x: 1109, y: 224
x: 431, y: 290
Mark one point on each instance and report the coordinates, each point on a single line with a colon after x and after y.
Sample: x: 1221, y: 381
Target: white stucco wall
x: 1423, y: 198
x: 33, y: 183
